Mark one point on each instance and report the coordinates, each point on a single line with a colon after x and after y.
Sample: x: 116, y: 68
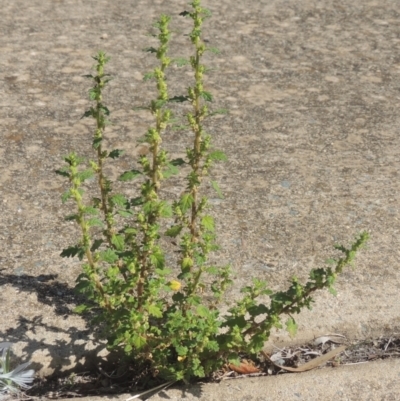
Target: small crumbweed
x: 167, y: 318
x: 12, y: 381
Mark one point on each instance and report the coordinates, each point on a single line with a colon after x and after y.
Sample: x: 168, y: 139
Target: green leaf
x: 86, y: 174
x: 104, y: 108
x: 217, y: 189
x: 180, y: 61
x: 234, y: 359
x: 84, y: 286
x: 157, y: 259
x: 332, y: 290
x: 186, y: 202
x: 157, y: 104
x: 208, y: 223
x: 170, y: 170
x: 97, y: 142
x: 125, y: 213
x: 129, y: 175
x: 138, y: 341
x: 181, y: 350
x: 166, y: 210
x: 162, y: 272
x: 207, y: 96
x: 218, y: 155
x: 108, y: 256
x: 93, y: 92
x: 212, y: 270
x: 114, y: 154
x: 154, y: 310
x: 119, y: 200
x: 173, y: 231
x: 65, y: 196
x: 118, y: 242
x: 187, y: 262
x: 148, y: 76
x: 90, y: 210
x: 257, y: 342
x: 95, y: 222
x: 291, y: 327
x: 80, y: 309
x: 203, y: 311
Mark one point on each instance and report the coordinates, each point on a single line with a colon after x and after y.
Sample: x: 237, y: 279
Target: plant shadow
x: 68, y: 358
x: 62, y: 299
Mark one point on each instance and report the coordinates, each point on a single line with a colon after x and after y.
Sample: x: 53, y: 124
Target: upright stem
x: 100, y: 113
x: 152, y: 168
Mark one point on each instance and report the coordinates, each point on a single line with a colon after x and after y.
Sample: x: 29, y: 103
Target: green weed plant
x: 168, y: 323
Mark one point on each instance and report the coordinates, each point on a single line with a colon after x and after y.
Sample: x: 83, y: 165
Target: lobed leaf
x: 95, y: 222
x: 81, y: 308
x: 174, y: 231
x: 108, y: 256
x: 207, y: 96
x: 119, y: 200
x: 186, y: 202
x: 218, y: 155
x: 66, y: 195
x: 216, y: 188
x: 208, y: 223
x: 291, y: 327
x: 118, y: 241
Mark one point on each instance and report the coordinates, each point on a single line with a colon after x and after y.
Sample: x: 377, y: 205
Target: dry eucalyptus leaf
x: 334, y: 338
x: 244, y: 368
x: 315, y: 362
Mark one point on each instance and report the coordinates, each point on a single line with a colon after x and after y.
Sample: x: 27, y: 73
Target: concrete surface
x: 365, y: 382
x: 312, y: 140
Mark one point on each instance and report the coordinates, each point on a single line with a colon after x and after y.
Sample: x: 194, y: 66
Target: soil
x: 312, y: 90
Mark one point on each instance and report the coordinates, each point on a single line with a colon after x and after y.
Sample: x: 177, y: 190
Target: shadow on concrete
x: 64, y: 360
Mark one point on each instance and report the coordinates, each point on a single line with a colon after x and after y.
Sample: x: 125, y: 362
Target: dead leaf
x: 244, y: 368
x: 334, y: 338
x: 313, y: 363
